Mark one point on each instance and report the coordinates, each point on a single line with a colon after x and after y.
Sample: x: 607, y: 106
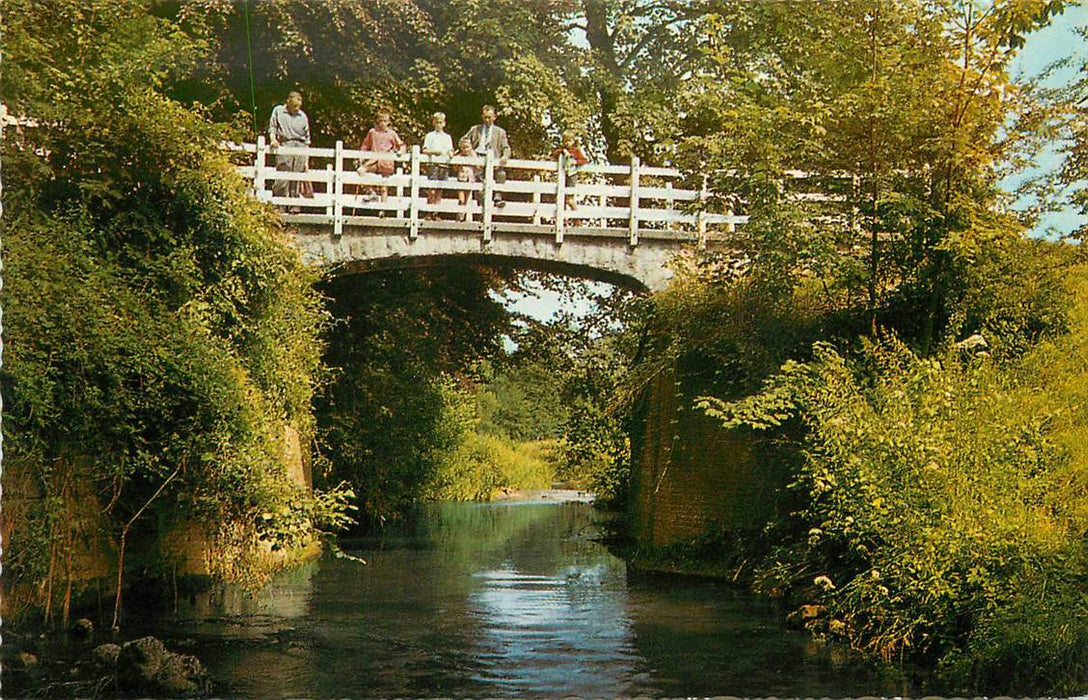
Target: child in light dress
x: 466, y: 173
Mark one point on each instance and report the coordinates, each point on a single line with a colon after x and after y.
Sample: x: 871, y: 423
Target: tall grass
x: 481, y: 464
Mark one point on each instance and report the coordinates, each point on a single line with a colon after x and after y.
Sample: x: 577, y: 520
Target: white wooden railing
x: 633, y: 201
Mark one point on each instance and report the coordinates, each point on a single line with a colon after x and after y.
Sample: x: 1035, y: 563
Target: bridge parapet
x: 631, y: 201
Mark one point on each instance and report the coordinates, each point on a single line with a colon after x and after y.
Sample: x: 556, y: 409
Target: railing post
x: 700, y: 217
x: 413, y: 196
x: 338, y: 192
x: 536, y: 199
x: 855, y: 213
x: 560, y: 198
x: 330, y: 190
x: 489, y: 179
x: 669, y: 224
x: 399, y: 170
x: 634, y: 201
x: 259, y: 168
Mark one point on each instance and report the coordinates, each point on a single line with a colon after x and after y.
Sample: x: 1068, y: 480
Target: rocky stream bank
x: 81, y: 663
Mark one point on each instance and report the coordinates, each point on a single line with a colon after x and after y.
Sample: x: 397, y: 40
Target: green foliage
x: 1010, y: 289
x: 353, y: 57
x: 157, y: 324
x: 897, y: 110
x: 522, y: 402
x: 349, y: 59
x: 472, y: 464
x: 1064, y: 121
x: 384, y: 420
x: 933, y: 495
x: 532, y: 466
x: 291, y: 524
x: 586, y: 359
x: 595, y: 449
x: 481, y: 464
x: 730, y: 332
x: 931, y: 515
x: 595, y: 455
x: 65, y: 56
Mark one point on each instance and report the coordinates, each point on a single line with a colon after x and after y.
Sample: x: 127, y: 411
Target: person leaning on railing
x: 488, y: 136
x: 576, y: 158
x: 437, y: 144
x: 382, y: 138
x: 290, y: 127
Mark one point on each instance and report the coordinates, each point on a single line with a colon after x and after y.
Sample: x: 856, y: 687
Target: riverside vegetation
x: 914, y: 359
x: 159, y: 332
x: 924, y: 391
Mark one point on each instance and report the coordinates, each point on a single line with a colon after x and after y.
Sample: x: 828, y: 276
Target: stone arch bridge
x: 613, y: 223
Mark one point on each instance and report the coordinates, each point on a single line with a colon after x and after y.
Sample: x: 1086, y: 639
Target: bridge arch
x: 489, y: 260
x: 362, y: 249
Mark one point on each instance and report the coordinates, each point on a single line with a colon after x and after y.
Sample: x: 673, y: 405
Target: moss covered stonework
x: 691, y: 479
x: 78, y: 560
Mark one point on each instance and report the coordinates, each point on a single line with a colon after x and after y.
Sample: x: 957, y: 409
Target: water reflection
x: 544, y: 634
x: 500, y: 600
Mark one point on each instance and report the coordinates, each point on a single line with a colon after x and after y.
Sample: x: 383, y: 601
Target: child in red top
x: 381, y: 139
x: 576, y: 158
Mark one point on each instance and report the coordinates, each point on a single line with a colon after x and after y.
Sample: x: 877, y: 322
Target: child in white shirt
x: 437, y: 144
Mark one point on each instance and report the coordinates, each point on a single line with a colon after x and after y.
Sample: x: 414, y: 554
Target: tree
x: 920, y: 467
x: 348, y: 57
x: 933, y: 515
x: 904, y: 104
x: 1067, y: 119
x: 586, y: 358
x: 351, y: 58
x: 160, y: 333
x: 399, y: 335
x: 637, y: 50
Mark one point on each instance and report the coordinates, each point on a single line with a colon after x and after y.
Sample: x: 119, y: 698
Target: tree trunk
x: 609, y: 83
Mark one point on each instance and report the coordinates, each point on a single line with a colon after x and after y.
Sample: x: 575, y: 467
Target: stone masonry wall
x: 93, y: 555
x: 689, y: 476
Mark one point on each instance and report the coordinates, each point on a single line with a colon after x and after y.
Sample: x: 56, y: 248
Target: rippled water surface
x: 500, y: 600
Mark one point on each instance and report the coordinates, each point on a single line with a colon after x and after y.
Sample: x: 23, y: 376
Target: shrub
x: 932, y: 518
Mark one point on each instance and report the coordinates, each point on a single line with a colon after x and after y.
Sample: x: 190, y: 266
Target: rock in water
x: 145, y: 667
x: 104, y: 656
x: 182, y: 674
x: 138, y: 662
x: 83, y: 628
